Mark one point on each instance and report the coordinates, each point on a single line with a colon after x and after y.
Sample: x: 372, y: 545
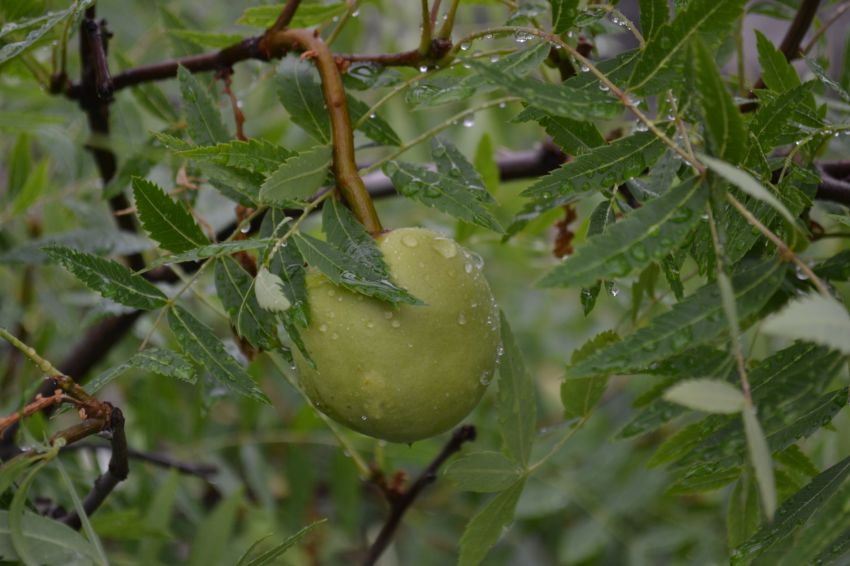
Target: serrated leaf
x: 235, y: 288
x: 298, y: 178
x: 201, y: 344
x: 769, y: 127
x: 816, y: 538
x: 564, y: 14
x: 202, y: 116
x: 667, y: 47
x: 157, y: 360
x: 300, y: 92
x: 722, y: 118
x: 600, y: 218
x: 169, y: 223
x: 42, y: 24
x: 452, y: 163
x: 748, y: 184
x: 256, y: 155
x: 307, y: 15
x: 110, y: 279
x: 814, y: 318
x: 776, y: 72
x: 485, y: 528
x: 557, y: 99
x: 453, y: 88
x: 648, y: 234
x: 794, y: 512
x: 743, y: 514
x: 579, y: 396
x: 483, y: 472
x: 602, y: 167
x: 341, y: 270
x: 374, y: 127
x: 268, y: 288
x: 836, y: 268
x: 761, y: 460
x: 709, y: 395
x: 823, y: 76
x: 696, y: 320
x: 288, y: 265
x: 517, y: 406
x: 441, y: 192
x: 211, y: 250
x: 653, y: 15
x: 573, y: 136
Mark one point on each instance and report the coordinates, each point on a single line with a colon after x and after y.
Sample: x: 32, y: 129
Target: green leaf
x: 441, y: 192
x: 485, y: 163
x: 269, y: 556
x: 564, y: 14
x: 709, y: 395
x: 517, y: 406
x: 268, y: 288
x: 794, y: 512
x: 214, y: 533
x: 48, y: 541
x: 743, y: 514
x: 15, y: 517
x: 722, y: 118
x: 169, y: 223
x: 211, y: 250
x: 748, y: 184
x: 156, y: 360
x: 201, y: 344
x: 602, y: 167
x: 769, y: 127
x: 485, y: 471
x: 579, y: 396
x: 300, y: 92
x: 557, y: 99
x: 81, y: 513
x: 33, y: 188
x: 486, y: 527
x: 648, y: 234
x: 375, y: 127
x: 20, y: 166
x: 776, y: 72
x: 836, y: 268
x: 600, y: 218
x: 815, y: 318
x: 42, y: 24
x: 307, y: 15
x: 288, y: 265
x: 256, y: 155
x: 350, y: 237
x: 341, y: 270
x: 696, y: 320
x: 204, y: 119
x: 451, y: 162
x: 573, y: 136
x: 110, y: 279
x: 665, y: 50
x: 235, y: 288
x: 298, y: 178
x: 653, y: 15
x: 823, y: 76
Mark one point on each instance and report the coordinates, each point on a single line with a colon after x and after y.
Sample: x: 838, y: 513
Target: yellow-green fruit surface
x: 409, y: 372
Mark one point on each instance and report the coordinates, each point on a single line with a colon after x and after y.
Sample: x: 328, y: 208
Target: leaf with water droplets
x: 235, y: 288
x: 452, y: 163
x: 298, y: 178
x: 260, y: 156
x: 793, y: 513
x: 109, y: 278
x: 341, y: 270
x: 601, y: 167
x: 776, y: 72
x: 564, y: 14
x: 441, y: 192
x: 579, y: 396
x: 653, y: 15
x: 168, y: 222
x: 815, y: 318
x: 202, y: 115
x: 696, y: 320
x: 648, y: 234
x: 38, y: 27
x: 200, y: 343
x: 487, y: 526
x: 517, y: 406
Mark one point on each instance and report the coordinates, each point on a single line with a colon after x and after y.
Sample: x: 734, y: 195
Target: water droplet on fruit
x: 364, y: 418
x: 409, y: 241
x: 370, y: 324
x: 323, y: 328
x: 461, y: 318
x: 395, y: 324
x: 388, y: 314
x: 485, y: 378
x: 467, y: 267
x: 445, y: 247
x: 334, y: 336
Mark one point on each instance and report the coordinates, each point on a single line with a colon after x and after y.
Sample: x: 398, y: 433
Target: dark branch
x: 119, y: 468
x: 286, y: 15
x: 400, y: 502
x: 201, y: 470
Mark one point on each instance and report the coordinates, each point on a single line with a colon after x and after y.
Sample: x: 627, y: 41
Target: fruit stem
x: 348, y: 180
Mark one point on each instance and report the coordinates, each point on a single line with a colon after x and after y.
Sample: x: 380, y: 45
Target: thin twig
x: 400, y: 502
x: 202, y: 470
x: 285, y: 16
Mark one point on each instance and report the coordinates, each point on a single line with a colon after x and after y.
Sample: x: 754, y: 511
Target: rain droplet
x: 423, y: 68
x: 467, y: 267
x: 468, y: 122
x: 465, y: 46
x: 323, y: 328
x: 614, y: 291
x: 494, y: 58
x: 334, y: 336
x: 461, y: 318
x: 395, y: 324
x: 364, y: 418
x: 409, y: 241
x: 355, y: 13
x: 388, y: 314
x: 245, y: 229
x: 445, y: 247
x: 603, y: 87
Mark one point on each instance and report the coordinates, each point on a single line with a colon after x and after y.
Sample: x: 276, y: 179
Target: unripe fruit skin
x: 405, y: 373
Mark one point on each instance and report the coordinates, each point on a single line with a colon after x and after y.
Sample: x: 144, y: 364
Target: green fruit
x: 409, y: 372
